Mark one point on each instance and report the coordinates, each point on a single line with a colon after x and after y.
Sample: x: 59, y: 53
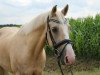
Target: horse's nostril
x: 70, y: 60
x: 66, y: 59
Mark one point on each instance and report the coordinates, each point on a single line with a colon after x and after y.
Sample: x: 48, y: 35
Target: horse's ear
x: 65, y: 10
x: 54, y: 9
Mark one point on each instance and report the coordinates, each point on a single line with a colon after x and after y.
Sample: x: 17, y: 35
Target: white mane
x: 34, y: 23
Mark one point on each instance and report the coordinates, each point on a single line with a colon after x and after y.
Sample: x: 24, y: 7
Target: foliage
x: 49, y: 50
x: 85, y: 34
x: 10, y: 25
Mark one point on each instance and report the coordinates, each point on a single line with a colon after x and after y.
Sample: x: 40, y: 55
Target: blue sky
x: 22, y: 11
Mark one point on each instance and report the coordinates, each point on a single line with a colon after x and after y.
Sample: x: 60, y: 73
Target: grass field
x: 94, y: 72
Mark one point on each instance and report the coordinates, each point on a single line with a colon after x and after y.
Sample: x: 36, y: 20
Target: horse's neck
x: 36, y: 40
x: 35, y: 32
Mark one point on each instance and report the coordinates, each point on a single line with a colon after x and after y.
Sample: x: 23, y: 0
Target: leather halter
x: 55, y: 44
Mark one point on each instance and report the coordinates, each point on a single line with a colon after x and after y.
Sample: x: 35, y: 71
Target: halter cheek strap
x: 50, y: 33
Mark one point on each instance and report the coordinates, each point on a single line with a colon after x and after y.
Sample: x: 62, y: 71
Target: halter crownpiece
x: 55, y: 44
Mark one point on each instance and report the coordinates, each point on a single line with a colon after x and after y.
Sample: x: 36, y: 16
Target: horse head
x: 58, y: 35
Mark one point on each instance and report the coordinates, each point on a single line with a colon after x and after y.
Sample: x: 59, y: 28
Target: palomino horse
x: 21, y: 50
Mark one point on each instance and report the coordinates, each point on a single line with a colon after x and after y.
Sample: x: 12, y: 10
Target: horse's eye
x: 54, y: 29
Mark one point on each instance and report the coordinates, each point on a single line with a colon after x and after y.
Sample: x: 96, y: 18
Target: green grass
x: 94, y: 72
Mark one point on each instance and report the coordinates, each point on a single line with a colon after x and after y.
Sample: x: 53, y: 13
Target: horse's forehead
x: 60, y: 15
x: 61, y: 18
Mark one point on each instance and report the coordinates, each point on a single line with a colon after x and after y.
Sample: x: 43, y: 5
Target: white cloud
x: 16, y: 19
x: 84, y: 12
x: 24, y: 2
x: 92, y: 2
x: 20, y: 2
x: 44, y: 1
x: 24, y: 13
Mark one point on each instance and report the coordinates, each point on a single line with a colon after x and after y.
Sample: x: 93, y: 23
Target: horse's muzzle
x: 69, y: 60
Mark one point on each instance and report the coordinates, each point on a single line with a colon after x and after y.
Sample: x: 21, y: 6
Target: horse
x: 22, y: 49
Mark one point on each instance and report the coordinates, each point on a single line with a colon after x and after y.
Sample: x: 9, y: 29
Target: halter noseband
x: 55, y: 44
